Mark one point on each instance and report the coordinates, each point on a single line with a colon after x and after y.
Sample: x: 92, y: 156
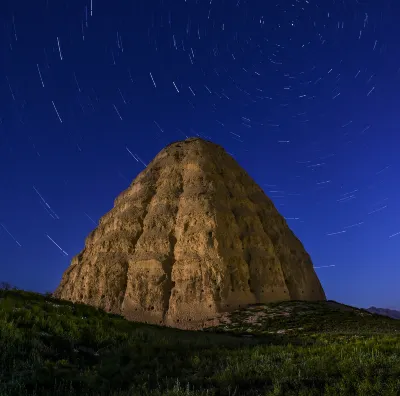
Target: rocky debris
x: 192, y: 237
x: 255, y: 318
x: 285, y: 331
x: 86, y: 350
x: 44, y: 334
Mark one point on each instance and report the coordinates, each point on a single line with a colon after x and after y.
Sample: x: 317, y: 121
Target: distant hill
x: 392, y: 313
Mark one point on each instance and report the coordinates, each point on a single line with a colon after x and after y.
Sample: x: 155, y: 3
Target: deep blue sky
x: 304, y: 94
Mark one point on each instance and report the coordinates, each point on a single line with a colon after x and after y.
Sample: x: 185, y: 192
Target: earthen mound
x: 192, y: 237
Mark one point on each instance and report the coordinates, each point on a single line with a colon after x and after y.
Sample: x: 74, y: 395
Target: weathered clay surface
x: 192, y: 237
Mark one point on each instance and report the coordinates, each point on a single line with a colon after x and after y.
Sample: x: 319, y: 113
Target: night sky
x: 303, y: 93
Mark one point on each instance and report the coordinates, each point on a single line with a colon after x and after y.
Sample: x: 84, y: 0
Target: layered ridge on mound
x: 193, y: 236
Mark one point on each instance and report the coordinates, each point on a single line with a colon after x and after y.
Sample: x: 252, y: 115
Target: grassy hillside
x: 53, y: 347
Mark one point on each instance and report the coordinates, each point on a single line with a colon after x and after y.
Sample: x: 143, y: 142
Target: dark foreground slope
x: 53, y: 347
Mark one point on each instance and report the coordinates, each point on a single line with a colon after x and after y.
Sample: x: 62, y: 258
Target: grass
x: 53, y: 347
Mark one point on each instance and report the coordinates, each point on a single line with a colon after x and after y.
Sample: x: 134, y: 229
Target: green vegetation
x: 53, y: 347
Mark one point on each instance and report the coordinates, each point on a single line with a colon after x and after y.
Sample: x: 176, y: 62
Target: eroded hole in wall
x: 247, y: 256
x: 234, y: 212
x: 274, y: 238
x: 210, y: 241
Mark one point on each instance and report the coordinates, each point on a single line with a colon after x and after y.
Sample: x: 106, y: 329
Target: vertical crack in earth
x: 141, y: 220
x: 167, y: 265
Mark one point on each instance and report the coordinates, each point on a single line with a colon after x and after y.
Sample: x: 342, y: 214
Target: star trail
x: 303, y: 94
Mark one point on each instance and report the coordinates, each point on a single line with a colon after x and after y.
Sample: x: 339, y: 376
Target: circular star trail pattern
x: 304, y: 95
